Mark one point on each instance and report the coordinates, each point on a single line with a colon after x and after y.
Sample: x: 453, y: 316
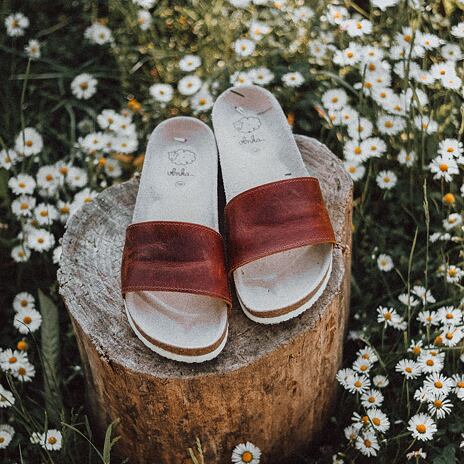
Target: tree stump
x: 272, y: 385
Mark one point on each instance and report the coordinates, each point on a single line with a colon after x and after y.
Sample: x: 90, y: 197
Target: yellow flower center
x: 421, y: 428
x: 44, y: 213
x: 430, y: 362
x: 84, y: 85
x: 408, y: 369
x: 12, y: 360
x: 40, y: 240
x: 22, y: 371
x: 24, y: 206
x: 449, y: 198
x: 51, y: 440
x: 357, y: 150
x: 358, y: 384
x: 363, y: 367
x: 438, y: 403
x: 443, y: 167
x: 367, y: 443
x: 27, y: 319
x: 22, y: 345
x: 438, y: 384
x: 371, y: 399
x: 22, y: 184
x: 376, y: 421
x: 351, y: 169
x: 247, y: 456
x: 388, y: 124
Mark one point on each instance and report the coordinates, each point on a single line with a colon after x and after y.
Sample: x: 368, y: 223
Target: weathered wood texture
x: 272, y: 385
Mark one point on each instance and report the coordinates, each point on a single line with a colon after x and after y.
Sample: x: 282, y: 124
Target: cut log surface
x: 272, y: 385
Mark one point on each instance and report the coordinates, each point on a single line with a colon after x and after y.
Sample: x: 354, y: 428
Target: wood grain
x: 272, y: 385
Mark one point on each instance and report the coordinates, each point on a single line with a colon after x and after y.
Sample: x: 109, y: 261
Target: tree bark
x: 272, y: 385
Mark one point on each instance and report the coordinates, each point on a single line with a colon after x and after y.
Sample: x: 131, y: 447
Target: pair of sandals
x: 174, y: 277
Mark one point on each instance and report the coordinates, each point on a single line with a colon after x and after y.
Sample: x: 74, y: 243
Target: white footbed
x: 256, y: 146
x: 179, y: 183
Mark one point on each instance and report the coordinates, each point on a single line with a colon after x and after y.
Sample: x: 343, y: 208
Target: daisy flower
x: 354, y: 169
x: 24, y: 372
x: 449, y: 315
x: 144, y: 19
x: 8, y: 158
x: 356, y: 27
x: 458, y: 388
x: 410, y: 369
x: 147, y: 4
x: 415, y: 347
x: 244, y: 47
x: 451, y: 335
x: 10, y: 360
x: 458, y: 30
x: 189, y: 85
x: 380, y: 381
x: 16, y: 24
x: 240, y: 78
x: 189, y: 63
x: 23, y: 205
x: 6, y: 435
x: 82, y: 198
x: 98, y: 34
x: 385, y: 263
x: 387, y: 315
x: 353, y: 150
x: 437, y: 383
x: 161, y: 92
x: 450, y: 147
x: 28, y: 142
x: 27, y: 320
x: 390, y: 125
x: 363, y: 366
x: 439, y: 406
x: 367, y: 443
x: 454, y: 274
x: 429, y: 363
x: 22, y: 184
x: 451, y: 52
x: 374, y: 146
x: 202, y: 101
x: 246, y: 453
x: 378, y: 420
x: 32, y: 49
x: 406, y: 158
x: 84, y: 86
x: 372, y: 399
x: 52, y: 440
x: 423, y: 294
x: 357, y: 383
x: 422, y: 427
x: 351, y: 432
x: 408, y: 300
x: 258, y: 30
x: 416, y: 455
x: 452, y: 221
x: 368, y: 354
x: 293, y: 79
x: 76, y: 177
x: 20, y: 253
x: 40, y: 240
x: 261, y: 76
x: 343, y: 375
x: 7, y: 398
x: 45, y: 214
x: 360, y: 129
x: 334, y: 99
x: 386, y: 180
x: 444, y: 167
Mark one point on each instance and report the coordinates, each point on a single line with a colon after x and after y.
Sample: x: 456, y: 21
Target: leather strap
x: 174, y: 257
x: 276, y: 217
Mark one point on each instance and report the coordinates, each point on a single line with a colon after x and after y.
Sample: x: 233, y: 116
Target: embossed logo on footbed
x: 247, y: 124
x: 182, y: 157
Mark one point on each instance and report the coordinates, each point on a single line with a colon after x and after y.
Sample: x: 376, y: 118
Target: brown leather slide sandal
x: 279, y: 235
x: 173, y: 275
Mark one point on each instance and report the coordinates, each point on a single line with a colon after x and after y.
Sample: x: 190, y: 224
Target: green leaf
x: 447, y: 456
x: 50, y: 351
x: 109, y: 442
